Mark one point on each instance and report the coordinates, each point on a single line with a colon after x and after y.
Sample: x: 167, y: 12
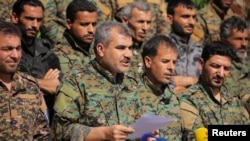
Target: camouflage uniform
x: 54, y: 19
x: 70, y: 54
x: 22, y: 110
x: 209, y: 21
x: 238, y: 82
x: 188, y: 56
x: 155, y: 101
x: 244, y: 90
x: 136, y: 67
x: 92, y: 97
x: 238, y: 72
x: 159, y: 23
x: 200, y: 110
x: 6, y: 8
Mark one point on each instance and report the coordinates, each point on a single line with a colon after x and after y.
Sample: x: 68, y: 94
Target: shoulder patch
x: 193, y: 89
x: 189, y: 115
x: 189, y: 107
x: 64, y: 98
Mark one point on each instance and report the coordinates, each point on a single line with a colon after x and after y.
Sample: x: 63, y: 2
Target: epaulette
x: 64, y: 98
x: 192, y: 90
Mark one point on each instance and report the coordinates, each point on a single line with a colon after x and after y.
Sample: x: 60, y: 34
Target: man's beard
x: 179, y: 31
x: 242, y: 56
x: 5, y: 70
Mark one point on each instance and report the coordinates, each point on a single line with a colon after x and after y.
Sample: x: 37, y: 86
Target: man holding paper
x: 99, y: 101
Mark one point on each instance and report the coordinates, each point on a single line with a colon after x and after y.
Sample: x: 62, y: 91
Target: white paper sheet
x: 148, y: 123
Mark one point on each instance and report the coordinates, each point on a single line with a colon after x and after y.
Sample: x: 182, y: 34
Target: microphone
x: 150, y: 137
x: 201, y: 134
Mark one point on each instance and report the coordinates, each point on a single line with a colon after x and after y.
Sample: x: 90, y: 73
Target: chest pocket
x: 99, y: 107
x: 21, y: 113
x: 111, y: 106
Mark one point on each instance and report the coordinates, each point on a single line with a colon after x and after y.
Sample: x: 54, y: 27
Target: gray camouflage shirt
x: 188, y: 56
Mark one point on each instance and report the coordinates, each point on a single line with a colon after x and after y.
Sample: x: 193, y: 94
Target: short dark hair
x: 79, y: 5
x: 18, y: 6
x: 175, y: 3
x: 7, y: 28
x: 221, y: 48
x: 150, y: 48
x: 231, y: 23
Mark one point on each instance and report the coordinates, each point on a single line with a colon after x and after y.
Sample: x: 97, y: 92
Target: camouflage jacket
x: 239, y: 71
x: 209, y: 20
x: 22, y: 110
x: 70, y: 54
x: 188, y: 56
x: 54, y: 19
x: 199, y: 108
x: 6, y: 9
x: 155, y: 101
x: 92, y: 97
x: 136, y: 67
x: 244, y: 92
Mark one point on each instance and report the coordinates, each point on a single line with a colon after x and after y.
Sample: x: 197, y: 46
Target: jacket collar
x: 115, y: 80
x: 73, y: 44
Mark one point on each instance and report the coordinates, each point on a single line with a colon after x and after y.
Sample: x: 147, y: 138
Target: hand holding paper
x: 148, y: 123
